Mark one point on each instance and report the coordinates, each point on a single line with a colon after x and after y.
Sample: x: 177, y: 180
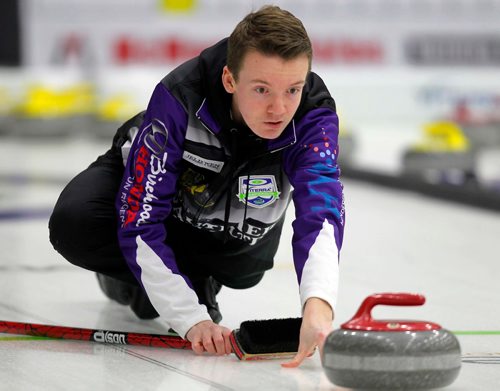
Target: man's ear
x: 228, y: 80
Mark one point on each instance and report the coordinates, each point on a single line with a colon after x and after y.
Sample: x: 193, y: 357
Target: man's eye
x: 260, y: 90
x: 294, y: 91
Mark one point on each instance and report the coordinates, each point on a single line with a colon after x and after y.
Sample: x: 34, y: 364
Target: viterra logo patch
x: 261, y: 190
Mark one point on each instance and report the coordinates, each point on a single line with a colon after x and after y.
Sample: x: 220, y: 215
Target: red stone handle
x: 363, y: 320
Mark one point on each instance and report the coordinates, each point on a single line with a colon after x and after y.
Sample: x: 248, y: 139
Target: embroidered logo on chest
x: 262, y: 190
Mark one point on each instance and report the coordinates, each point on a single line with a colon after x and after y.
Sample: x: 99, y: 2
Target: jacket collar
x: 208, y: 121
x: 287, y: 138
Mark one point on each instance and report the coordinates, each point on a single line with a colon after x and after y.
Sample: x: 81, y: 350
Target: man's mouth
x: 273, y: 123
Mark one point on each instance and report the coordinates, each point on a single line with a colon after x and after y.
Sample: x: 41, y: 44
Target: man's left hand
x: 316, y: 325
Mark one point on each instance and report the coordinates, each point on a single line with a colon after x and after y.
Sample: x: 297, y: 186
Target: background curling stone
x: 391, y: 354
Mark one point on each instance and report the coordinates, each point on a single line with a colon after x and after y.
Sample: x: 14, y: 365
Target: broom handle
x: 172, y: 341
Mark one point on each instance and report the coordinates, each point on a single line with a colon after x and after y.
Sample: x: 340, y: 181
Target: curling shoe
x: 141, y: 305
x: 207, y: 289
x: 127, y: 294
x: 114, y: 289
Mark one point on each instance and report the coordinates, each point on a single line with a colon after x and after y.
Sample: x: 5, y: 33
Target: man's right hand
x: 209, y: 337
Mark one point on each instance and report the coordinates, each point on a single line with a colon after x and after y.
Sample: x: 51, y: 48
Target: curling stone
x: 391, y: 354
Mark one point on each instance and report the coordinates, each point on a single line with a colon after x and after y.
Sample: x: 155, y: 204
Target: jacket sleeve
x: 311, y: 165
x: 144, y: 201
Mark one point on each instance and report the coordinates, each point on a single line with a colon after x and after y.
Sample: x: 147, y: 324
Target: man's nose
x: 277, y: 106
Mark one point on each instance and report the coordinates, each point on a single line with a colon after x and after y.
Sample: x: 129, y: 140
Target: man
x: 209, y: 172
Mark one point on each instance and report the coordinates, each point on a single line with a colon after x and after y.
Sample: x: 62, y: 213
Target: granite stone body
x: 391, y: 360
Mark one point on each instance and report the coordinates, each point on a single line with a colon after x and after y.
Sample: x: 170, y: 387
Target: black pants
x: 83, y: 229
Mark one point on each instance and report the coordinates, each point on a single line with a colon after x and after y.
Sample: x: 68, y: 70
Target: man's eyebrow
x: 259, y: 81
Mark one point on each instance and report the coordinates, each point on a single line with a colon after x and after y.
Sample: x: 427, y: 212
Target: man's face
x: 267, y: 93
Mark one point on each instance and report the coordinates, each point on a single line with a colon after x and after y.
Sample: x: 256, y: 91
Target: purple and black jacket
x: 188, y: 163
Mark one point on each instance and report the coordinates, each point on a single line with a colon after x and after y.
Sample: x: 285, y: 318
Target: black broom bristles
x: 270, y: 336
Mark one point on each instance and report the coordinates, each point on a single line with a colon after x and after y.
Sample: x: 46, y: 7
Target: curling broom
x: 254, y: 340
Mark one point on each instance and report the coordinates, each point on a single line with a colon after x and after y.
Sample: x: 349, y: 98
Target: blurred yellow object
x: 117, y: 108
x: 6, y: 102
x: 343, y: 130
x: 44, y: 102
x: 443, y: 136
x: 177, y: 5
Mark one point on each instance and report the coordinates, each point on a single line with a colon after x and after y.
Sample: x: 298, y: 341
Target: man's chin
x: 269, y: 133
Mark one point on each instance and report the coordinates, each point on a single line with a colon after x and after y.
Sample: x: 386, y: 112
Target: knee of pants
x: 94, y: 249
x: 81, y: 234
x: 66, y: 228
x: 60, y: 227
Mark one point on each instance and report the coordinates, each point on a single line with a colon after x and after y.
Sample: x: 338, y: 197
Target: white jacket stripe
x: 168, y: 292
x: 320, y: 276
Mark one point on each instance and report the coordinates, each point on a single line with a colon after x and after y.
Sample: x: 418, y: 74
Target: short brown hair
x: 270, y: 31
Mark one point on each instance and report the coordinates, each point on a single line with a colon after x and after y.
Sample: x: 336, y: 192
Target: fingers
x: 209, y: 337
x: 227, y: 342
x: 197, y: 347
x: 306, y: 349
x: 321, y: 341
x: 214, y: 343
x: 296, y: 361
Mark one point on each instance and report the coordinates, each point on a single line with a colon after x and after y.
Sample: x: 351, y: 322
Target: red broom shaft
x: 95, y: 335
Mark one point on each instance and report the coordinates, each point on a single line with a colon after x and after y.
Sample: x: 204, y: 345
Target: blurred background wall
x: 417, y: 82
